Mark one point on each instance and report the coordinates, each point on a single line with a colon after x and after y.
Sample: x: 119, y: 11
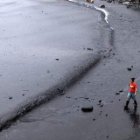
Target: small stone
x: 129, y: 69
x: 94, y: 119
x: 100, y: 101
x: 10, y: 98
x: 119, y: 99
x: 89, y: 49
x: 87, y: 108
x: 23, y: 94
x: 102, y: 6
x: 57, y: 59
x: 117, y: 93
x: 121, y: 91
x: 101, y: 105
x: 106, y: 115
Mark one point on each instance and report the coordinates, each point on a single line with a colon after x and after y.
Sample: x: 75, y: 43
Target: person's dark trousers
x: 126, y: 106
x: 135, y: 104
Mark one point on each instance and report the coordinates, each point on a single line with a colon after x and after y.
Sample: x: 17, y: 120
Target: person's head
x: 132, y: 79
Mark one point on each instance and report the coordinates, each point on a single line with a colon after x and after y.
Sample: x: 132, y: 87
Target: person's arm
x: 136, y: 89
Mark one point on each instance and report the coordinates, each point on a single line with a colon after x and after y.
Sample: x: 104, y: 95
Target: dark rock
x: 89, y: 49
x: 119, y: 99
x: 101, y: 105
x: 117, y: 93
x: 23, y: 94
x: 60, y: 90
x: 102, y: 6
x: 57, y: 59
x: 121, y: 91
x: 106, y: 115
x: 87, y: 108
x: 100, y: 101
x: 94, y: 119
x: 10, y: 98
x: 129, y: 69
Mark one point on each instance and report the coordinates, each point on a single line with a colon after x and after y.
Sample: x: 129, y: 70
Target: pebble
x: 121, y: 91
x: 90, y: 49
x: 100, y: 101
x: 10, y: 98
x: 129, y: 69
x: 87, y: 108
x: 102, y: 6
x: 117, y: 93
x: 94, y: 119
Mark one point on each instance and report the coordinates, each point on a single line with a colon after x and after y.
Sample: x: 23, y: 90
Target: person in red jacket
x: 132, y: 93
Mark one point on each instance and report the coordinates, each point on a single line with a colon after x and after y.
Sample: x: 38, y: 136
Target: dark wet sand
x: 62, y: 118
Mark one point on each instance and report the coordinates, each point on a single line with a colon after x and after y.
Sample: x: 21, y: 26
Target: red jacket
x: 132, y: 87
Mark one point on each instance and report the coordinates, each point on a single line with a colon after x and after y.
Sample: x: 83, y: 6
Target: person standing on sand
x: 132, y: 94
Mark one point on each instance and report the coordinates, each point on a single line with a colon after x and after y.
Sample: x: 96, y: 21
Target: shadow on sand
x: 134, y: 117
